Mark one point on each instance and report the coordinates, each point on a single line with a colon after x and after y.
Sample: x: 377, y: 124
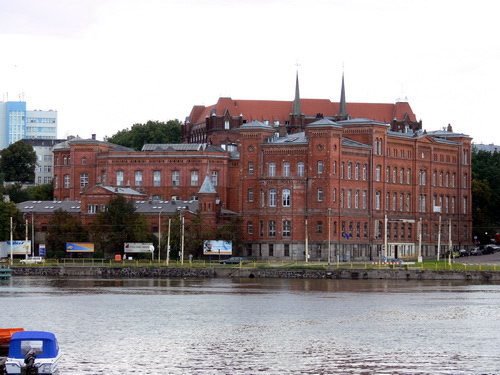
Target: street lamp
x: 329, y: 235
x: 159, y: 234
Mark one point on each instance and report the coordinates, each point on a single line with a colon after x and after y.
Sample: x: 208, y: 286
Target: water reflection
x: 272, y: 326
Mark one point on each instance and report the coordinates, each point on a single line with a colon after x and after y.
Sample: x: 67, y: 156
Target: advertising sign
x: 79, y: 247
x: 216, y: 247
x: 41, y: 250
x: 18, y: 247
x: 138, y: 247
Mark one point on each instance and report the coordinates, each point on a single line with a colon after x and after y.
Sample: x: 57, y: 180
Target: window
x: 215, y: 178
x: 441, y: 178
x: 363, y: 200
x: 272, y: 198
x: 66, y: 181
x: 56, y: 182
x: 92, y: 208
x: 364, y: 171
x: 422, y: 178
x: 434, y: 178
x: 250, y: 227
x: 287, y: 228
x: 84, y: 180
x: 194, y: 178
x: 286, y: 169
x: 271, y: 249
x: 452, y: 205
x: 334, y: 167
x: 271, y: 172
x: 138, y: 178
x: 250, y: 168
x: 408, y: 202
x: 356, y: 199
x: 285, y: 197
x: 349, y: 170
x: 156, y: 178
x: 319, y: 227
x: 421, y: 203
x: 377, y: 173
x: 465, y: 205
x: 453, y: 180
x: 356, y: 171
x: 377, y: 200
x: 226, y: 125
x: 408, y: 176
x: 119, y: 178
x: 250, y: 195
x: 447, y: 179
x: 319, y: 195
x: 342, y: 198
x: 334, y: 195
x: 349, y: 197
x: 261, y: 228
x: 464, y: 185
x: 300, y: 169
x: 342, y: 170
x: 394, y: 201
x: 394, y: 175
x: 387, y: 201
x: 84, y: 161
x: 272, y: 228
x: 401, y: 175
x: 401, y: 201
x: 286, y: 249
x: 387, y: 174
x: 320, y: 166
x: 176, y: 178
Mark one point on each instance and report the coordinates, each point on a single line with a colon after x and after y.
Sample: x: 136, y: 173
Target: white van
x: 31, y: 260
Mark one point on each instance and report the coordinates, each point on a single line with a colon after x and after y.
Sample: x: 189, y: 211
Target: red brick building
x: 306, y: 176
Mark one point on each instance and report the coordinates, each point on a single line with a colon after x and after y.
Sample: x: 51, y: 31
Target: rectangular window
x: 66, y: 181
x: 176, y: 178
x: 286, y: 248
x: 194, y: 178
x: 250, y: 227
x: 287, y: 228
x: 271, y: 250
x: 261, y: 228
x: 250, y: 168
x: 272, y: 197
x: 215, y: 178
x: 92, y: 208
x: 138, y: 178
x: 119, y: 178
x: 364, y: 200
x: 319, y: 227
x: 300, y: 169
x: 286, y: 169
x: 84, y: 180
x: 250, y: 195
x: 156, y: 178
x: 377, y: 200
x: 286, y: 200
x: 320, y: 195
x: 320, y: 167
x: 272, y: 228
x: 271, y: 170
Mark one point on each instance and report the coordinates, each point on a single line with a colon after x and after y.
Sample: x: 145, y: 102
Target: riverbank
x: 249, y: 272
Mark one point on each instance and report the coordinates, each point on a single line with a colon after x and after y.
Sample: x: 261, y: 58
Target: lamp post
x: 329, y: 236
x: 439, y: 237
x: 419, y: 259
x: 11, y: 242
x: 33, y: 234
x: 159, y: 235
x: 168, y: 241
x: 182, y: 238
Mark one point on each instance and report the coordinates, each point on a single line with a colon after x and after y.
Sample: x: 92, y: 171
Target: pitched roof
x: 207, y: 187
x: 275, y: 110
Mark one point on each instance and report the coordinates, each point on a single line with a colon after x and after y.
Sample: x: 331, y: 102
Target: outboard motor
x: 29, y: 361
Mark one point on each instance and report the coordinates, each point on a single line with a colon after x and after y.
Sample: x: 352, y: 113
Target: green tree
x: 8, y: 210
x: 63, y: 227
x: 43, y: 192
x: 150, y: 132
x: 17, y: 193
x: 18, y: 162
x: 120, y: 223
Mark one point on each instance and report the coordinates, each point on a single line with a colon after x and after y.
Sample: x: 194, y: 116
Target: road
x: 483, y: 259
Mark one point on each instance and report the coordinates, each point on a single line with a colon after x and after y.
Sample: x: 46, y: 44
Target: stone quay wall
x: 223, y: 272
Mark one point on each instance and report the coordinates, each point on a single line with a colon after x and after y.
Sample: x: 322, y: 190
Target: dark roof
x: 48, y: 206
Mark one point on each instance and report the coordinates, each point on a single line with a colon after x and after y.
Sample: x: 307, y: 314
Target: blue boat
x: 29, y: 350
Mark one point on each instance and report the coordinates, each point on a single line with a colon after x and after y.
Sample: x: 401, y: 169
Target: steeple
x: 342, y: 109
x: 296, y: 102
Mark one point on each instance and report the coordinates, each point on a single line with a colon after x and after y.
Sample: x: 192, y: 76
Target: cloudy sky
x: 107, y: 64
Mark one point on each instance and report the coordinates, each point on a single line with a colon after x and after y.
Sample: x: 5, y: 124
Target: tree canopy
x: 117, y: 225
x: 63, y: 227
x: 8, y: 210
x: 485, y: 192
x: 150, y: 132
x: 18, y: 162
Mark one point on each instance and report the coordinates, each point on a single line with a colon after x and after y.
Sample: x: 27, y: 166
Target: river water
x: 249, y: 326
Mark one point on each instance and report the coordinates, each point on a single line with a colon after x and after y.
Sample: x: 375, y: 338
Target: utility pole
x: 11, y: 242
x: 439, y: 238
x: 307, y: 244
x: 168, y: 240
x: 385, y: 237
x: 329, y: 236
x: 419, y: 260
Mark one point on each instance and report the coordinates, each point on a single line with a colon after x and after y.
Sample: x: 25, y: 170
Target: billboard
x: 138, y: 247
x: 79, y: 247
x: 216, y: 247
x: 18, y: 247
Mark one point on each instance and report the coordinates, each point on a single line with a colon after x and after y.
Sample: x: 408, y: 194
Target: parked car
x: 476, y: 251
x: 454, y: 254
x: 233, y: 260
x: 32, y: 260
x: 464, y: 252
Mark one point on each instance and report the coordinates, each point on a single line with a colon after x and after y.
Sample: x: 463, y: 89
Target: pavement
x: 480, y: 259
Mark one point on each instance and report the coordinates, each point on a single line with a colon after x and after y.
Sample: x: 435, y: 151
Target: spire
x: 296, y: 101
x: 342, y: 109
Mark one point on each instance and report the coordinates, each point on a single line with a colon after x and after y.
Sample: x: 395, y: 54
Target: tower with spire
x: 296, y: 117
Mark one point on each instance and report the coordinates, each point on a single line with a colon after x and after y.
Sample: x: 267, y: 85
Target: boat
x: 5, y: 335
x: 33, y: 350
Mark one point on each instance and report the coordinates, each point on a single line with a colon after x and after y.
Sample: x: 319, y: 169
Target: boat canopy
x: 43, y: 343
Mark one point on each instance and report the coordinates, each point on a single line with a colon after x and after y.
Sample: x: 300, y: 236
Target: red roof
x: 274, y: 110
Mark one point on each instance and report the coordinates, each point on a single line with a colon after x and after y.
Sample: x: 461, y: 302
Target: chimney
x: 93, y: 137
